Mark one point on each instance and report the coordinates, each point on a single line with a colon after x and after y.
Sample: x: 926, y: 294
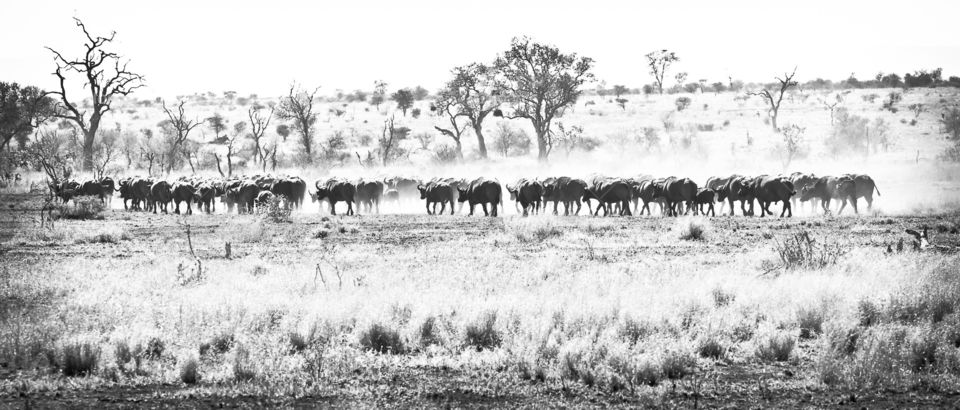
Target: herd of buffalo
x: 615, y: 196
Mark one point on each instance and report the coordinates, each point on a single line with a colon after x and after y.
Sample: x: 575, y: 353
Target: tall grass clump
x: 275, y: 209
x: 482, y: 333
x: 801, y: 251
x: 381, y: 339
x: 79, y: 359
x: 810, y: 321
x: 243, y: 369
x: 536, y: 231
x: 692, y: 229
x: 83, y: 208
x: 189, y: 371
x: 711, y: 347
x: 775, y: 347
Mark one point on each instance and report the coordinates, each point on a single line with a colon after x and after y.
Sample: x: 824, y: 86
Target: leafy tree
x: 283, y: 130
x: 379, y: 93
x: 511, y: 141
x: 420, y: 93
x: 619, y: 90
x: 540, y: 83
x: 22, y: 110
x: 659, y: 62
x: 216, y: 123
x: 103, y: 75
x: 297, y: 106
x: 469, y: 95
x: 404, y: 99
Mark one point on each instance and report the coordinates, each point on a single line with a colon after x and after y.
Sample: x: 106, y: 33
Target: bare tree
x: 179, y: 130
x: 540, y: 83
x: 832, y: 107
x: 229, y: 141
x: 792, y: 143
x: 389, y: 140
x: 659, y: 62
x: 105, y: 77
x: 297, y: 106
x: 379, y: 93
x: 258, y: 127
x: 786, y: 82
x: 105, y: 150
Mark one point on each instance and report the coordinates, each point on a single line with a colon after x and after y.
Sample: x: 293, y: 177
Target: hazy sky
x: 261, y: 47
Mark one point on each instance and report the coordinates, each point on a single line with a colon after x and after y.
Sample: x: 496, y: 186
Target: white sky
x: 261, y: 47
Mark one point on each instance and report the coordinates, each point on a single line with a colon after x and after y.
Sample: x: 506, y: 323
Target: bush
x: 722, y: 297
x: 692, y: 229
x: 511, y: 141
x: 811, y: 323
x: 677, y: 364
x: 188, y: 371
x: 537, y: 231
x: 243, y: 370
x: 381, y: 339
x: 154, y: 348
x: 84, y: 208
x: 682, y: 103
x: 775, y: 347
x: 710, y: 346
x: 950, y: 123
x: 482, y: 334
x: 446, y: 154
x: 275, y: 209
x: 80, y: 359
x: 803, y: 252
x: 218, y: 344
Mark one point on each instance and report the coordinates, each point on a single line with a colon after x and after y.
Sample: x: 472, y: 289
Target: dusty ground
x: 369, y: 246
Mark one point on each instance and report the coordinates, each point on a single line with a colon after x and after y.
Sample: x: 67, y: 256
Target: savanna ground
x: 412, y: 310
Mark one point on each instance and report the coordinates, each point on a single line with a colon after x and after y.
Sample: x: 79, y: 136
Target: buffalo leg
x: 451, y: 207
x: 443, y: 207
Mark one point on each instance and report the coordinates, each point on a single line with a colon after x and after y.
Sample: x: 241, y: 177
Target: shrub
x: 243, y: 370
x: 710, y: 346
x: 536, y: 232
x: 692, y: 229
x: 84, y: 208
x: 428, y: 332
x: 677, y: 364
x: 802, y: 251
x: 775, y: 347
x: 154, y: 348
x: 188, y: 371
x: 218, y: 344
x: 511, y: 141
x: 868, y: 312
x: 80, y: 359
x: 722, y: 297
x: 950, y: 123
x: 811, y: 322
x: 274, y: 209
x: 648, y: 372
x: 381, y: 339
x: 482, y: 334
x: 682, y: 103
x: 122, y: 353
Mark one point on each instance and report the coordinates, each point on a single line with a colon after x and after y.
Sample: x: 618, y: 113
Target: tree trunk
x: 773, y: 120
x: 481, y: 144
x: 459, y: 149
x: 542, y: 149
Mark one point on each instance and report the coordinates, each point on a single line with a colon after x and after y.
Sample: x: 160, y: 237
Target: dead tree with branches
x: 786, y: 82
x: 104, y: 76
x: 180, y: 127
x: 297, y: 106
x: 258, y: 128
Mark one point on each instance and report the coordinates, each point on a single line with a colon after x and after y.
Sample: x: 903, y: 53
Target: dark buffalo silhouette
x: 369, y: 193
x: 183, y: 192
x: 609, y: 192
x: 649, y: 191
x: 800, y: 182
x: 92, y: 188
x: 528, y: 193
x: 706, y: 197
x: 406, y: 188
x: 853, y: 186
x: 738, y: 189
x: 125, y: 189
x: 243, y: 195
x: 679, y: 192
x: 566, y: 190
x: 824, y: 189
x: 205, y: 197
x: 482, y: 191
x: 437, y: 192
x: 142, y: 193
x: 718, y: 185
x: 109, y: 187
x: 335, y: 190
x: 768, y: 190
x: 160, y: 196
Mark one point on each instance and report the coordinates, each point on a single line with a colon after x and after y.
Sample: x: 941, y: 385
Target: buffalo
x: 335, y: 190
x: 609, y: 192
x: 160, y: 196
x: 768, y: 190
x: 528, y: 193
x: 737, y: 189
x: 678, y: 192
x: 708, y: 197
x: 567, y: 190
x: 853, y: 186
x: 800, y: 182
x: 183, y: 192
x: 482, y: 191
x: 718, y: 185
x: 369, y: 193
x: 434, y: 193
x: 824, y: 189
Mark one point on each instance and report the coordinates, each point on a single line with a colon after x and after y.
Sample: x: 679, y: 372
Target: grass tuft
x: 381, y: 339
x: 692, y: 228
x: 482, y: 334
x: 79, y: 359
x: 776, y: 347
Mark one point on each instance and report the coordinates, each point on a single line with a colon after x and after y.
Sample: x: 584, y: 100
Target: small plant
x: 154, y: 349
x: 722, y: 297
x: 677, y: 364
x: 868, y: 312
x: 275, y: 210
x: 84, y: 208
x: 189, y: 373
x: 775, y: 347
x: 428, y: 332
x: 242, y: 369
x: 692, y: 229
x: 218, y: 344
x: 482, y: 334
x: 381, y: 339
x: 710, y: 346
x: 80, y: 359
x: 811, y: 323
x: 803, y: 252
x: 682, y: 103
